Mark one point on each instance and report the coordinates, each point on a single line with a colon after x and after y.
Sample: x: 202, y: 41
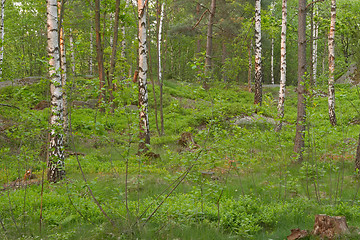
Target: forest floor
x: 219, y: 171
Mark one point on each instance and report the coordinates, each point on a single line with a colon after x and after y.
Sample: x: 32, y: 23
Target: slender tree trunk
x: 72, y: 51
x: 301, y: 108
x: 250, y: 46
x: 143, y: 68
x: 311, y: 45
x: 63, y: 72
x: 2, y: 34
x: 357, y: 158
x: 113, y: 53
x: 258, y: 63
x: 331, y: 99
x: 91, y: 72
x: 162, y: 9
x: 99, y: 51
x: 272, y: 61
x: 208, y: 57
x: 56, y: 152
x: 314, y: 48
x: 224, y: 56
x: 283, y: 66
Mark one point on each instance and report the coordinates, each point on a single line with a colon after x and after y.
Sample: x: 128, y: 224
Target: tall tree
x: 208, y: 57
x: 2, y: 34
x: 301, y: 108
x: 56, y: 152
x: 283, y: 65
x: 159, y: 40
x: 99, y: 53
x: 258, y: 63
x: 142, y: 81
x: 331, y: 98
x: 91, y: 52
x: 63, y: 68
x: 72, y: 52
x: 315, y: 34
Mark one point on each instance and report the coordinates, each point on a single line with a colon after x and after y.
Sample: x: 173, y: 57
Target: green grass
x: 254, y: 185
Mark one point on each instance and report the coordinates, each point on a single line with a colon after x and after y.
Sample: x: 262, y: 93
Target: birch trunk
x: 72, y: 51
x: 331, y: 99
x: 283, y: 65
x: 63, y: 73
x: 208, y: 57
x: 258, y: 63
x: 315, y: 48
x: 272, y: 61
x: 143, y: 68
x: 91, y: 52
x: 301, y: 109
x: 99, y: 53
x: 162, y: 9
x: 2, y: 34
x: 55, y: 162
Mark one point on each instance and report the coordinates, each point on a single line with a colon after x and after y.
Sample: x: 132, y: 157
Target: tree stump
x: 329, y: 226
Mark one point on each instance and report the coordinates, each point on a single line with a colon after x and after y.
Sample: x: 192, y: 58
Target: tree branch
x: 7, y: 105
x: 313, y: 3
x: 207, y: 10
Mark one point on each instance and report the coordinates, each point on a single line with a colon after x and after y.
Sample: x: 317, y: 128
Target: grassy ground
x: 240, y: 182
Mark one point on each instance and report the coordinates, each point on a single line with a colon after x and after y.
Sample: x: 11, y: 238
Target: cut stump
x: 329, y: 227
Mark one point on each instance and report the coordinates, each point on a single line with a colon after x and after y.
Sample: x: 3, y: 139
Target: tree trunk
x: 72, y: 51
x: 2, y: 34
x: 91, y: 52
x: 208, y: 57
x: 56, y: 152
x: 301, y: 109
x: 272, y: 61
x: 63, y: 72
x: 330, y: 227
x: 250, y: 64
x: 357, y: 158
x: 113, y: 53
x: 331, y: 99
x: 162, y: 9
x: 224, y: 56
x: 143, y: 68
x: 283, y: 66
x: 258, y: 63
x: 314, y: 48
x: 99, y: 55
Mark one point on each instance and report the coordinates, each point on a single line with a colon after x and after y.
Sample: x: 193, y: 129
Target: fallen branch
x: 7, y: 105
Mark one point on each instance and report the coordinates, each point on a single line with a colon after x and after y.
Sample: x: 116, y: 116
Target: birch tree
x: 282, y: 65
x: 56, y: 151
x: 331, y: 41
x: 258, y: 64
x: 315, y: 35
x: 162, y: 9
x: 142, y: 80
x: 2, y: 34
x: 72, y: 52
x: 301, y: 109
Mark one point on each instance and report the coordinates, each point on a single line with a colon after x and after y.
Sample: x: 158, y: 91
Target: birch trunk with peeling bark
x: 55, y: 162
x: 63, y: 74
x: 143, y: 68
x: 91, y: 52
x: 162, y: 9
x: 301, y: 108
x: 250, y: 45
x: 208, y: 57
x: 272, y: 62
x: 2, y: 34
x: 315, y: 48
x: 258, y: 63
x: 283, y: 65
x: 331, y: 98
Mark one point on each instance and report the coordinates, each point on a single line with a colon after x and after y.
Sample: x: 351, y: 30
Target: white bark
x: 72, y: 51
x: 143, y: 68
x: 258, y: 64
x: 272, y: 61
x: 56, y: 152
x: 283, y: 65
x: 331, y: 99
x: 159, y: 41
x: 63, y: 78
x: 2, y: 34
x: 91, y: 52
x: 315, y: 47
